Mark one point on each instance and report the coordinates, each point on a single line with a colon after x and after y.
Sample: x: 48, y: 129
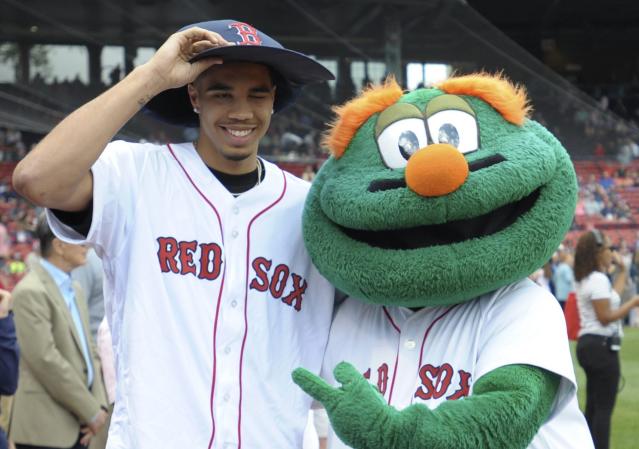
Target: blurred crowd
x: 602, y: 197
x: 12, y: 145
x: 593, y: 130
x: 17, y: 216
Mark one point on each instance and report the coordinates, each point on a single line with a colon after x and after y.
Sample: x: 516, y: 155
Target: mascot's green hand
x: 357, y: 411
x: 505, y: 411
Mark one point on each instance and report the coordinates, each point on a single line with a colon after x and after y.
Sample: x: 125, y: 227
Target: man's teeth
x: 239, y: 133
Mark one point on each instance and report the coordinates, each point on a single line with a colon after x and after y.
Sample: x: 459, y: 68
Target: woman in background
x: 600, y: 313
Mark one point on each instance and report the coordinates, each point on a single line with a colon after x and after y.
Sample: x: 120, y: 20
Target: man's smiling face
x: 235, y: 103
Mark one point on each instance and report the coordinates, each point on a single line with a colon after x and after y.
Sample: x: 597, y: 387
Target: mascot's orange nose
x: 436, y: 170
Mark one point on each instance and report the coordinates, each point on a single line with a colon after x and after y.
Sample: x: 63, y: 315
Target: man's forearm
x: 56, y: 173
x: 51, y: 174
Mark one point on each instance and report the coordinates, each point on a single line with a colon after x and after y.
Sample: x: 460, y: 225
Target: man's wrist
x: 152, y: 82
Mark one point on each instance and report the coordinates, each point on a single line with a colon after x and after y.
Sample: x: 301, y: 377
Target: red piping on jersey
x: 390, y: 319
x: 390, y: 395
x: 421, y: 351
x: 248, y: 249
x: 219, y: 296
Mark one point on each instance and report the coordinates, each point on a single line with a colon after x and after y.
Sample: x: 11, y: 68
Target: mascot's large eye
x: 456, y: 128
x: 399, y: 140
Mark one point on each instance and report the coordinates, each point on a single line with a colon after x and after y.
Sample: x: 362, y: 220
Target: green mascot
x: 434, y: 207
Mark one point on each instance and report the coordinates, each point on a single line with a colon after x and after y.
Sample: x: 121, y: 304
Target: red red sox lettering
x: 435, y: 381
x: 182, y: 258
x: 277, y: 282
x: 208, y: 266
x: 382, y: 377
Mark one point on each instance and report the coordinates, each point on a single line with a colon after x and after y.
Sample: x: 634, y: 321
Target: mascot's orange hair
x: 354, y: 113
x: 509, y: 100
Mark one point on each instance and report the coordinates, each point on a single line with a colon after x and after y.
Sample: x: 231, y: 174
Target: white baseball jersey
x: 438, y: 353
x: 212, y: 301
x: 594, y: 287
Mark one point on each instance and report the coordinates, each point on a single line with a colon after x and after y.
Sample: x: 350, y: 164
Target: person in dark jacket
x: 9, y: 353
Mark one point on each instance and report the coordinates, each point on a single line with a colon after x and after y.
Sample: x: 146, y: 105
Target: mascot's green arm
x: 505, y: 411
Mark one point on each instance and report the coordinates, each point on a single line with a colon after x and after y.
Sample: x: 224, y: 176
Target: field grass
x: 625, y: 419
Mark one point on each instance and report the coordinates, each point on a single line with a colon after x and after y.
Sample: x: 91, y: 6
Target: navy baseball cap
x: 293, y: 70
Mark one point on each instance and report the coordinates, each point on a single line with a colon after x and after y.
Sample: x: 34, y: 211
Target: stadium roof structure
x: 570, y: 35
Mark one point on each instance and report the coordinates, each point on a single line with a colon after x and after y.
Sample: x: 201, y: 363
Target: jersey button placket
x: 232, y: 326
x: 408, y: 360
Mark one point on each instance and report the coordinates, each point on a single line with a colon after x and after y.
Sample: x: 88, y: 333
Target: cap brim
x: 173, y: 106
x: 296, y: 67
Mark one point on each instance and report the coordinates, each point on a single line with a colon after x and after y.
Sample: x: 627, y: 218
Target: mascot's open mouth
x: 446, y: 233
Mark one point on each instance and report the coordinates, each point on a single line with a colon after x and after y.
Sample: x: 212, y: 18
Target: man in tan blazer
x: 61, y: 400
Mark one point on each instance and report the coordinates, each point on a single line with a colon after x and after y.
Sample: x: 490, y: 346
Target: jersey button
x: 410, y: 344
x: 236, y: 210
x: 227, y: 397
x: 227, y: 350
x: 234, y: 303
x: 234, y: 234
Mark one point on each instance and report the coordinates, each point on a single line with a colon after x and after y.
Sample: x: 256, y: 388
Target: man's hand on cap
x: 171, y: 62
x: 197, y: 40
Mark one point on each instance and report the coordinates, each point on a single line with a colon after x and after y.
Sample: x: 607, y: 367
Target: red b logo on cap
x: 247, y: 33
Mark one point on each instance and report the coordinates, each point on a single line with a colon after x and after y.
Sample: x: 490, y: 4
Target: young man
x: 211, y: 296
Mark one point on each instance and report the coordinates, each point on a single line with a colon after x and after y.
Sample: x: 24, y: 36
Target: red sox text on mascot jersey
x: 437, y: 353
x: 212, y: 300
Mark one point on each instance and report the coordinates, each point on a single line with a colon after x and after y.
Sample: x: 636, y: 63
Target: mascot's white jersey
x: 438, y: 353
x: 212, y: 301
